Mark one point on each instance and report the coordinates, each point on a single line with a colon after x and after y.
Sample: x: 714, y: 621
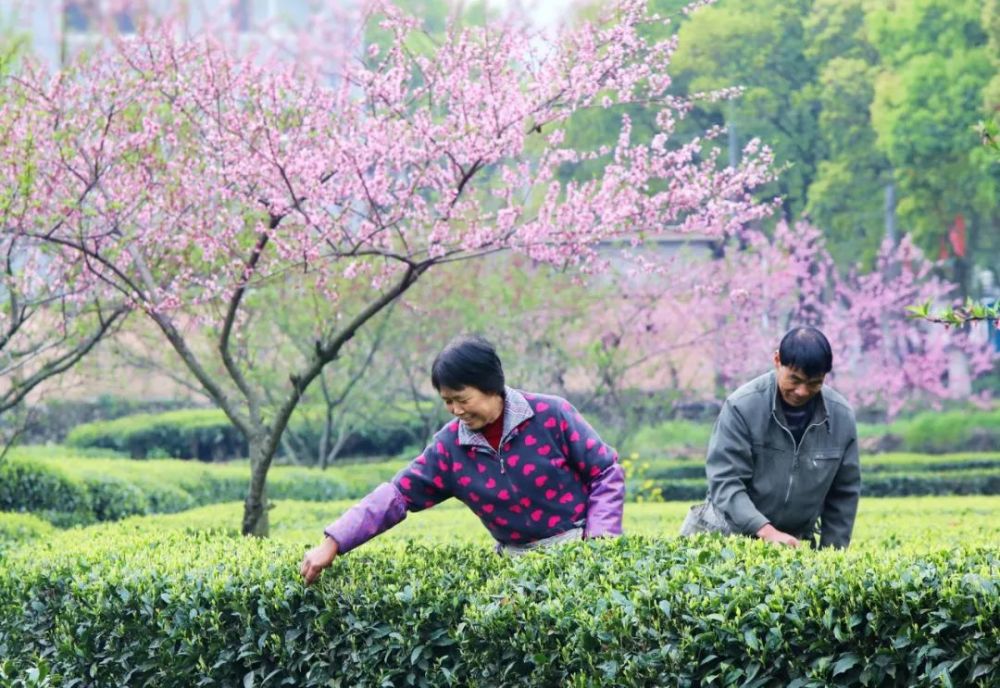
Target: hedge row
x: 933, y: 432
x: 17, y: 529
x: 896, y: 462
x: 966, y: 482
x: 892, y: 522
x: 936, y: 432
x: 179, y: 610
x: 68, y: 492
x: 50, y: 421
x: 72, y: 493
x: 191, y: 433
x: 208, y: 435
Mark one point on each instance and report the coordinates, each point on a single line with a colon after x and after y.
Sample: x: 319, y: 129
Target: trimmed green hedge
x: 669, y: 437
x: 206, y: 609
x: 193, y: 433
x: 898, y: 462
x: 16, y: 529
x: 208, y: 435
x: 911, y: 462
x: 51, y: 420
x: 66, y: 491
x: 937, y: 432
x: 971, y: 482
x: 69, y: 492
x: 27, y: 486
x: 931, y: 432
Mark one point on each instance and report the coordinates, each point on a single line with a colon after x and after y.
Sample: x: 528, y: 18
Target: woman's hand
x: 317, y: 559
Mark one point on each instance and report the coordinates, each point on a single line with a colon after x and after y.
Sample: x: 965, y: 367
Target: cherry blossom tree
x: 187, y: 176
x: 47, y: 325
x: 51, y: 316
x: 682, y: 329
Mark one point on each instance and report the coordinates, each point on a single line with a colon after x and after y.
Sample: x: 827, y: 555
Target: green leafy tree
x: 847, y: 196
x: 761, y: 46
x: 936, y: 67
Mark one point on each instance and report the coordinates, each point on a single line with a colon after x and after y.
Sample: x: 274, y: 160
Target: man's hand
x: 769, y: 533
x: 317, y: 559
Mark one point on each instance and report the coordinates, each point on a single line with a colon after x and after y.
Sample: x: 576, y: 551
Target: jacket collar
x: 516, y: 410
x: 820, y: 414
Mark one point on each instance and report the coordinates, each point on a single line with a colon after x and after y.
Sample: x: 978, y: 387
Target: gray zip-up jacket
x: 757, y: 474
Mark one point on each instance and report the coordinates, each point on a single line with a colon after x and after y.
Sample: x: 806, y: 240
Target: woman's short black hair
x: 807, y: 349
x: 468, y: 361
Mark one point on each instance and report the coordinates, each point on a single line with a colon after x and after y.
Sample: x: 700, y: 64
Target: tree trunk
x: 324, y: 440
x: 342, y: 434
x: 255, y: 508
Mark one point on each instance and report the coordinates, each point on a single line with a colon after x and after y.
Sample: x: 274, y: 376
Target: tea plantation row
x: 71, y: 489
x: 173, y: 608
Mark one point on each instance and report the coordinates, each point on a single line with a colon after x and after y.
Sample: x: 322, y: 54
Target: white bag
x: 705, y: 518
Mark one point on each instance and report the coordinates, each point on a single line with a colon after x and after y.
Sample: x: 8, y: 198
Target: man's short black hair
x: 468, y: 361
x: 807, y: 349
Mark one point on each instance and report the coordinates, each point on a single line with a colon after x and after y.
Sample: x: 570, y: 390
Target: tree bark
x: 255, y: 508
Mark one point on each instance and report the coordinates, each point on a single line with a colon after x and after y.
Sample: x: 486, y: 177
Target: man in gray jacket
x: 784, y: 454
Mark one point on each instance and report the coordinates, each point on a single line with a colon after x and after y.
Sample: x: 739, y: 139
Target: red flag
x: 956, y: 236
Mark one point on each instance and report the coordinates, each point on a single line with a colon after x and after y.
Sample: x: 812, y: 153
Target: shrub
x: 175, y: 609
x: 920, y: 463
x: 670, y: 438
x: 30, y: 486
x: 398, y: 428
x: 16, y: 529
x: 51, y: 421
x: 937, y: 432
x: 66, y: 491
x: 208, y: 435
x: 167, y: 499
x: 113, y: 498
x: 972, y: 482
x: 204, y: 434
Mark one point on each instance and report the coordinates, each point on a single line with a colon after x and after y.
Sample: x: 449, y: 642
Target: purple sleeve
x: 598, y: 464
x: 383, y: 508
x: 606, y: 503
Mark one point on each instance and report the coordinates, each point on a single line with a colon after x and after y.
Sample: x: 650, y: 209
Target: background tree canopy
x: 869, y: 106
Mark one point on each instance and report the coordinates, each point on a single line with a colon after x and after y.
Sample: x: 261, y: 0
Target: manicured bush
x: 113, y: 498
x: 51, y: 420
x: 687, y: 468
x: 937, y: 432
x: 208, y: 435
x: 670, y: 438
x: 398, y: 428
x: 30, y: 486
x: 975, y: 482
x: 883, y: 475
x: 177, y: 609
x: 16, y: 529
x: 876, y: 484
x: 898, y: 462
x: 166, y: 498
x: 68, y: 491
x: 204, y: 434
x: 882, y: 523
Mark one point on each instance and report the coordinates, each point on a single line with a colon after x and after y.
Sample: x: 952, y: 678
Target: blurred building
x: 59, y: 29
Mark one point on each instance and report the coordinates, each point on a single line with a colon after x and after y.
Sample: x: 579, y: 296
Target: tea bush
x: 208, y: 435
x: 179, y: 609
x: 891, y: 522
x: 937, y: 432
x: 16, y: 529
x: 69, y: 491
